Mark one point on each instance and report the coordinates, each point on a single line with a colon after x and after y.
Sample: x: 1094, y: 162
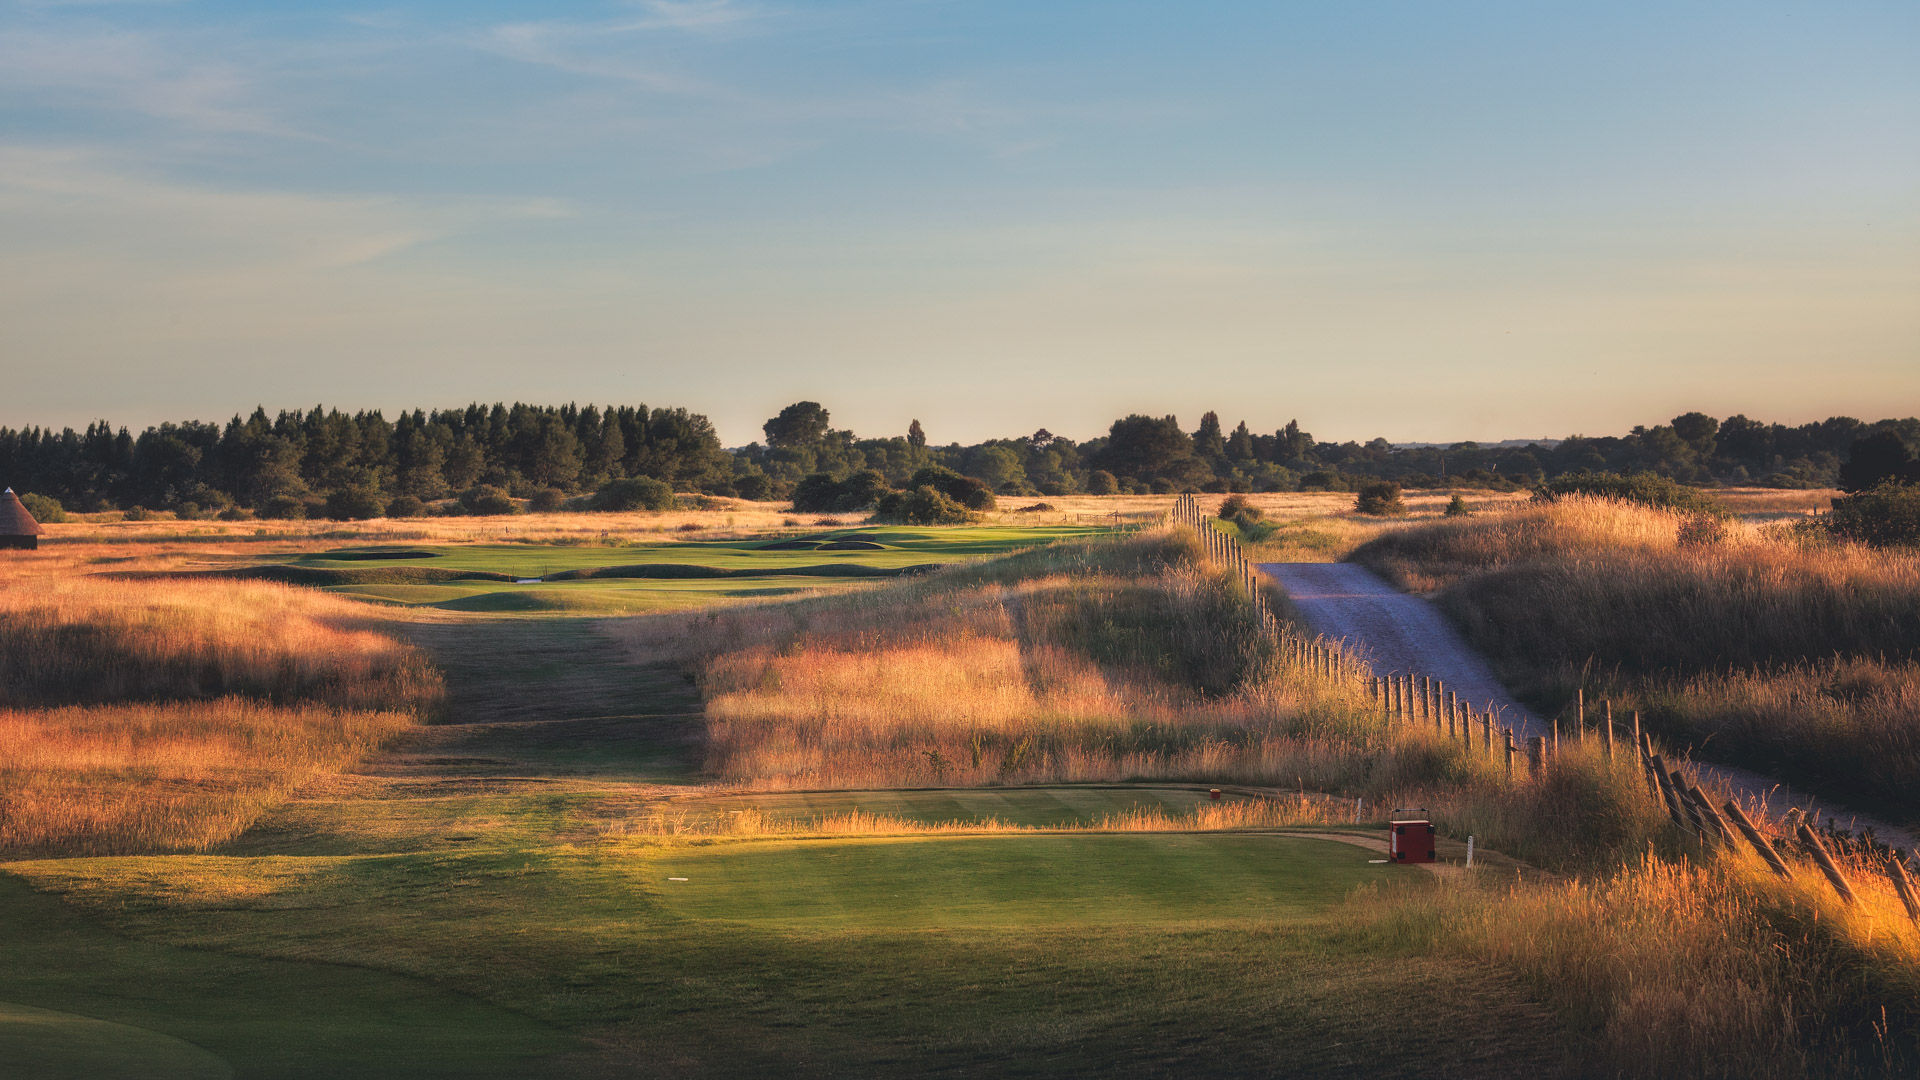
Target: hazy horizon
x: 1481, y: 222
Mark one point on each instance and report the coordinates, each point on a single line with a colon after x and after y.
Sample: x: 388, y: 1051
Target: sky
x: 1425, y: 221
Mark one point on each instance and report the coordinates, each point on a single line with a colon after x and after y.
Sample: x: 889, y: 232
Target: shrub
x: 234, y: 513
x: 356, y: 504
x: 486, y: 500
x: 1701, y: 530
x: 406, y: 506
x: 140, y: 513
x: 633, y: 493
x: 1457, y: 507
x: 1102, y: 482
x: 924, y: 505
x: 753, y: 486
x: 964, y: 490
x: 284, y: 508
x: 821, y: 493
x: 1886, y: 516
x: 45, y: 509
x: 547, y: 500
x: 1380, y: 499
x: 1645, y: 488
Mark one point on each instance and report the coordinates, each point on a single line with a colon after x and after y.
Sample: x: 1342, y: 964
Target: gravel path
x: 1400, y: 633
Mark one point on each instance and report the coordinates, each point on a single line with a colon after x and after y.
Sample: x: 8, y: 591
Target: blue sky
x: 1419, y: 220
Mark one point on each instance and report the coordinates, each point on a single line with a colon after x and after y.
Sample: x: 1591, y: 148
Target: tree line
x: 324, y: 461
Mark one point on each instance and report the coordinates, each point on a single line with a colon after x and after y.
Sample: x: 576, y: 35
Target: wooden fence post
x: 1720, y: 828
x: 1486, y: 731
x: 1580, y: 715
x: 1827, y: 866
x: 1453, y: 711
x: 1609, y: 711
x: 1664, y: 786
x: 1905, y: 888
x: 1509, y: 753
x: 1760, y: 843
x: 1536, y: 756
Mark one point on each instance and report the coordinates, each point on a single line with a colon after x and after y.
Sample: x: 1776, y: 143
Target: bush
x: 485, y: 500
x: 1457, y: 507
x: 406, y: 506
x: 924, y: 505
x: 45, y: 510
x: 356, y: 504
x: 139, y: 513
x: 547, y: 500
x: 1886, y: 516
x: 964, y: 490
x: 1380, y: 499
x: 753, y: 486
x: 234, y: 513
x: 284, y: 508
x: 1102, y: 482
x: 1648, y: 489
x: 633, y: 493
x: 821, y: 493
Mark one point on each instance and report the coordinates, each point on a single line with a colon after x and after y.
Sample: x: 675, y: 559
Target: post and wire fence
x: 1415, y: 699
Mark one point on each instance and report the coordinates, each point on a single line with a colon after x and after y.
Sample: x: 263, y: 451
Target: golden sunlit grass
x: 117, y: 779
x: 1710, y: 968
x: 1785, y: 652
x: 1280, y: 811
x: 147, y: 715
x: 1104, y: 660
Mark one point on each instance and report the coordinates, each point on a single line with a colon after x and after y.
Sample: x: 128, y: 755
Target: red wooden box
x: 1411, y: 841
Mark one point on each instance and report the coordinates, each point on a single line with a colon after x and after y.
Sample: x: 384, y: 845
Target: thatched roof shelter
x: 17, y: 527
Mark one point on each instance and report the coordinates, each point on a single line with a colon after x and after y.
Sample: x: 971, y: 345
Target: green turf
x: 900, y: 547
x: 266, y: 1018
x: 1014, y: 880
x: 48, y: 1044
x: 754, y: 572
x: 600, y: 596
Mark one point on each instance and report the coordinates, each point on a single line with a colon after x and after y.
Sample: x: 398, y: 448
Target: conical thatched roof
x: 14, y: 519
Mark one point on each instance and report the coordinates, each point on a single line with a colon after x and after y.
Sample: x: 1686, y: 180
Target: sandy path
x: 1401, y: 633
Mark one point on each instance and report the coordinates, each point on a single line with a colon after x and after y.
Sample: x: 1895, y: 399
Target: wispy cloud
x: 135, y: 72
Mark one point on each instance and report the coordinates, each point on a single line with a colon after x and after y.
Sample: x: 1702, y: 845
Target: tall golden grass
x: 1707, y: 967
x: 161, y: 716
x: 86, y: 639
x: 1281, y: 811
x: 117, y: 779
x: 1794, y: 656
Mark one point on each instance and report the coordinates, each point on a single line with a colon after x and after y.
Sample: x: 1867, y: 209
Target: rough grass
x: 78, y: 640
x: 117, y: 779
x: 151, y: 716
x: 1795, y: 657
x: 1705, y: 967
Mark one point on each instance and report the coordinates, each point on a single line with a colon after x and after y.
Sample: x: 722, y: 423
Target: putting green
x: 1013, y: 880
x: 45, y: 1044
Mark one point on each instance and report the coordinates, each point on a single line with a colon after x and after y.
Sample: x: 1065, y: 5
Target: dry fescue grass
x: 1281, y: 811
x: 81, y: 640
x: 122, y: 779
x: 1707, y: 967
x: 1793, y: 656
x: 1098, y: 660
x: 161, y: 716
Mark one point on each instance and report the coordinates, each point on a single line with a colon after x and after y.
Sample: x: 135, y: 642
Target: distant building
x: 17, y: 527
